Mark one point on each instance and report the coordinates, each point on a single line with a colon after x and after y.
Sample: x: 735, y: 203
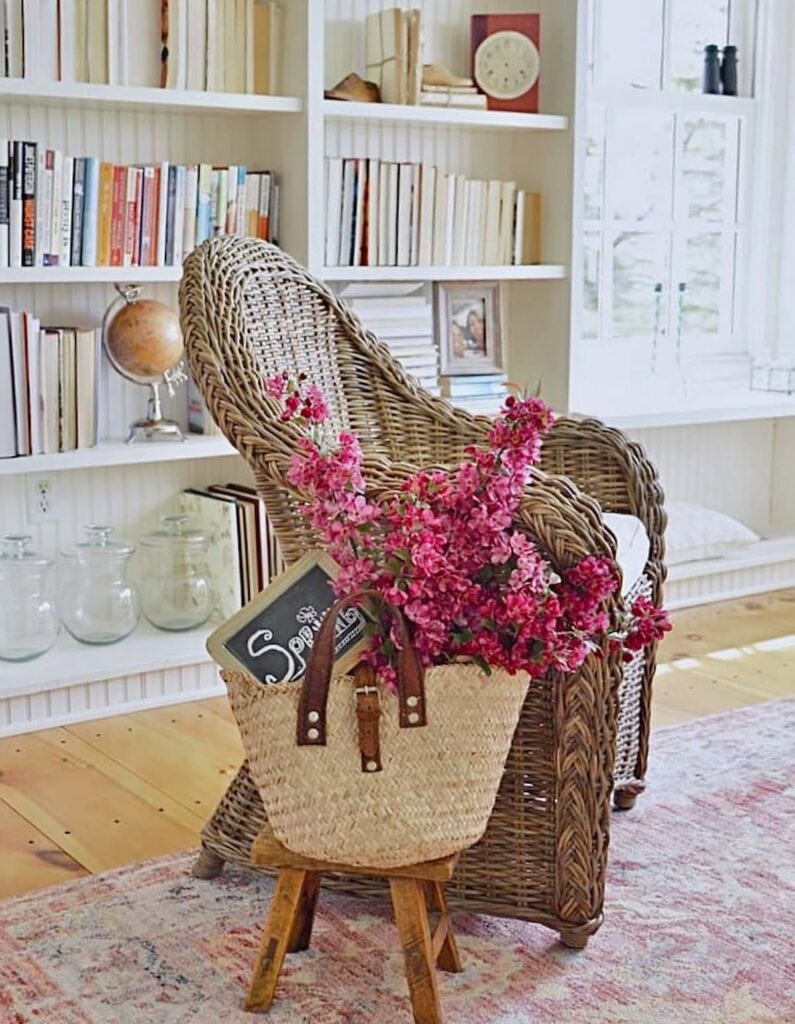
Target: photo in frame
x: 468, y: 319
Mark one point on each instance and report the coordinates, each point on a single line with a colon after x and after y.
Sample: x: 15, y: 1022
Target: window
x: 664, y: 237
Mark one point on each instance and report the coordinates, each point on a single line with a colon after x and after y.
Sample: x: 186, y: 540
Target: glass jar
x: 98, y: 604
x: 28, y: 618
x: 175, y: 589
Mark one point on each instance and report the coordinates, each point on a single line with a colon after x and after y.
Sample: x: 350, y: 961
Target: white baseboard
x: 757, y: 569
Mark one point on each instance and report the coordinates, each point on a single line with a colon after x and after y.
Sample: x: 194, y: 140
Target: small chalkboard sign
x: 270, y: 638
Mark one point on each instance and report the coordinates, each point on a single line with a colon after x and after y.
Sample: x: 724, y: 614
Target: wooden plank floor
x: 93, y: 796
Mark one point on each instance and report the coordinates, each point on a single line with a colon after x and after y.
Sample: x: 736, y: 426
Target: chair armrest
x: 616, y: 472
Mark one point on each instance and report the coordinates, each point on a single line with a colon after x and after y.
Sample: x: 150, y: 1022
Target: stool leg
x: 447, y: 958
x: 305, y: 918
x: 411, y: 916
x: 275, y: 939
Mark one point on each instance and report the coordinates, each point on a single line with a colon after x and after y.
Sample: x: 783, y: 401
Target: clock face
x: 507, y: 64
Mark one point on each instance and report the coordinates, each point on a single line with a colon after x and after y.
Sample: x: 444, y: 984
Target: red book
x: 138, y: 207
x: 117, y: 218
x: 520, y: 61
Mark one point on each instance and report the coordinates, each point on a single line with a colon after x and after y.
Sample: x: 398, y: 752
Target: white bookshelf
x: 88, y: 275
x: 539, y: 272
x: 492, y: 120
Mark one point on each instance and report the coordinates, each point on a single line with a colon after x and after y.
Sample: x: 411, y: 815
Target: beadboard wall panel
x: 783, y: 478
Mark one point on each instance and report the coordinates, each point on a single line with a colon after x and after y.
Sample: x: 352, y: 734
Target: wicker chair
x: 248, y: 311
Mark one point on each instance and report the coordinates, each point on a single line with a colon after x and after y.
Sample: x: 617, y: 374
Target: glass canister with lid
x: 29, y: 623
x: 176, y: 592
x: 98, y: 604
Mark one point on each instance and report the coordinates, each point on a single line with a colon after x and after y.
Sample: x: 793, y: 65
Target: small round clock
x: 507, y: 64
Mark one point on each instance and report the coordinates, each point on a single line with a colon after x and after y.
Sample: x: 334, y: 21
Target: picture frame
x: 469, y: 318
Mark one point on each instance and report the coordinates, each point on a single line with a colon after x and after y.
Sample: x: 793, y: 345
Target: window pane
x: 640, y: 280
x: 630, y: 43
x: 702, y: 180
x: 592, y: 277
x: 640, y: 165
x: 700, y: 304
x: 694, y: 25
x: 594, y: 163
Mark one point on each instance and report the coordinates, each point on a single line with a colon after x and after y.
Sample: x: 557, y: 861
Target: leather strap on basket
x: 311, y: 726
x: 368, y: 713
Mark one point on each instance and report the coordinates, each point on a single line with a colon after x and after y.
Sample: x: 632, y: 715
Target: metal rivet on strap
x: 371, y: 766
x: 313, y: 734
x: 414, y: 717
x: 412, y: 701
x: 313, y: 716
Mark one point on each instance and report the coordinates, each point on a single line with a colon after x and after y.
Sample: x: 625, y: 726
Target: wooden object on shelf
x: 353, y: 88
x: 542, y: 858
x: 415, y: 890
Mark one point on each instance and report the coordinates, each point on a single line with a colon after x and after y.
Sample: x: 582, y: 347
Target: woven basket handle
x: 314, y: 691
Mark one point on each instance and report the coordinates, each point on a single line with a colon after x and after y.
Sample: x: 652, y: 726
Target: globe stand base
x: 155, y: 430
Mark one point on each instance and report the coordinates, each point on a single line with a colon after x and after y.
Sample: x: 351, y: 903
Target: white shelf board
x: 69, y: 662
x: 679, y: 102
x: 118, y: 453
x: 490, y: 272
x: 733, y: 406
x: 460, y: 117
x: 60, y: 94
x: 87, y: 275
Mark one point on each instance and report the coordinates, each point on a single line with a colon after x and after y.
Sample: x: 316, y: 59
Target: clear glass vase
x: 28, y: 617
x: 175, y: 589
x: 98, y: 604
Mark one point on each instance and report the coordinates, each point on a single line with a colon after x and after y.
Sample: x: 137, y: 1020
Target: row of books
x: 401, y: 316
x: 58, y: 210
x: 393, y: 53
x: 218, y: 45
x: 49, y: 383
x: 382, y: 213
x: 243, y: 555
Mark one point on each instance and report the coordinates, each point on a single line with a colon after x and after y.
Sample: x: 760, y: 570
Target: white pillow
x: 695, y: 532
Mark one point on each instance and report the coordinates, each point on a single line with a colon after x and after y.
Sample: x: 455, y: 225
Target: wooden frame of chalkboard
x: 270, y: 638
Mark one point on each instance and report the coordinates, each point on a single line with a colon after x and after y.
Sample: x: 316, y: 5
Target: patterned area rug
x: 699, y: 924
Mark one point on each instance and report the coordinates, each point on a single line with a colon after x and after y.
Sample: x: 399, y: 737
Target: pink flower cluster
x: 446, y: 551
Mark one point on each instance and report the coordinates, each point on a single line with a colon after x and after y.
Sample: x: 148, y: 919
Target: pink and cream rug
x: 699, y: 927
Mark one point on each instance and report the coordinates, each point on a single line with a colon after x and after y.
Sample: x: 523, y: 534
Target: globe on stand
x: 143, y: 341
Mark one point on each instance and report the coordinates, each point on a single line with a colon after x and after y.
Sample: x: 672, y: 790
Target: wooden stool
x: 289, y: 926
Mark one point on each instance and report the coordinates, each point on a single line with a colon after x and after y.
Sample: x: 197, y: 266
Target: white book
x: 86, y: 368
x: 19, y: 364
x: 80, y: 40
x: 392, y: 216
x: 30, y: 37
x: 45, y: 39
x: 439, y: 217
x: 49, y: 396
x: 231, y: 200
x: 491, y: 223
x: 215, y: 46
x: 31, y: 327
x: 373, y: 209
x: 463, y: 190
x: 15, y: 36
x: 174, y: 12
x: 449, y: 220
x: 414, y: 240
x: 518, y: 228
x: 128, y: 237
x: 66, y: 210
x: 469, y: 242
x: 8, y: 434
x: 97, y: 41
x: 43, y: 207
x: 427, y: 189
x: 162, y: 208
x: 56, y: 211
x: 127, y: 31
x: 114, y: 30
x: 67, y: 41
x: 507, y: 199
x: 344, y: 256
x: 333, y: 209
x: 252, y: 203
x: 179, y: 214
x: 240, y: 205
x: 250, y: 45
x: 483, y: 227
x: 383, y: 214
x: 141, y: 29
x: 5, y: 171
x: 189, y: 215
x: 229, y: 75
x: 359, y: 211
x: 196, y: 74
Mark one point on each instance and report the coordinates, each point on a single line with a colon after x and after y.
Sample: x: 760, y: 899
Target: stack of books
x: 215, y: 45
x: 393, y: 54
x: 382, y: 213
x: 58, y: 210
x: 482, y: 394
x: 49, y: 381
x: 465, y: 94
x: 401, y: 316
x: 243, y: 554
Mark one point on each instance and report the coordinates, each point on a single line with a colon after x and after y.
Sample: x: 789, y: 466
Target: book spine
x: 162, y: 214
x: 274, y: 225
x: 203, y: 207
x: 170, y: 214
x: 231, y: 200
x: 137, y: 214
x: 264, y: 207
x: 191, y: 195
x: 29, y: 172
x: 105, y: 209
x: 178, y: 253
x: 252, y: 204
x: 90, y: 212
x: 148, y: 217
x: 78, y: 198
x: 219, y: 206
x: 128, y: 233
x: 4, y: 203
x: 43, y: 206
x: 56, y: 211
x: 66, y: 209
x: 240, y: 210
x: 15, y: 206
x: 117, y: 216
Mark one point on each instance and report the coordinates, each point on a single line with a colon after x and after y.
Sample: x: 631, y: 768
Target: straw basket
x: 351, y: 773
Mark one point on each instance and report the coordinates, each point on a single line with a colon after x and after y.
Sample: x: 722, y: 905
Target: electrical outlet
x: 42, y: 498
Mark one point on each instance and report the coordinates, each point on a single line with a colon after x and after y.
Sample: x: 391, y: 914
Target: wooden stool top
x: 268, y: 852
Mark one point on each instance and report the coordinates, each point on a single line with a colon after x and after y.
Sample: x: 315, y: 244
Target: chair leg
x: 444, y: 945
x: 284, y: 913
x: 305, y: 918
x: 624, y: 799
x: 411, y: 916
x: 207, y: 864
